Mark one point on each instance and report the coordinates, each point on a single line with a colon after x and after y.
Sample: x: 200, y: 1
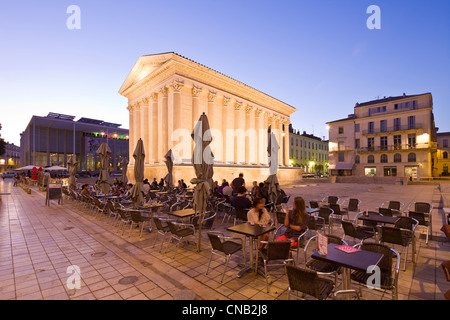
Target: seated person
x: 154, y: 185
x: 296, y: 221
x: 259, y: 215
x: 241, y: 201
x: 227, y: 190
x: 85, y: 190
x: 127, y: 193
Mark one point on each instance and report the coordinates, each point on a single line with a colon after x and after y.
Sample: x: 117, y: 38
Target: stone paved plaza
x: 38, y: 244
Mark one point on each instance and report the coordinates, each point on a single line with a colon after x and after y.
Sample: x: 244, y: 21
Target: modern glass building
x: 51, y: 140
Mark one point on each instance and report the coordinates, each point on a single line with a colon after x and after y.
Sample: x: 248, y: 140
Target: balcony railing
x: 396, y: 147
x: 392, y: 129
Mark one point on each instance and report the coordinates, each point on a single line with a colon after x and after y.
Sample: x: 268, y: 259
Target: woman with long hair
x: 296, y: 221
x: 259, y: 215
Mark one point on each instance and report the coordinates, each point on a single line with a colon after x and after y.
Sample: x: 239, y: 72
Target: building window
x: 357, y: 127
x: 296, y: 154
x: 384, y: 143
x: 445, y: 155
x: 371, y: 127
x: 370, y: 172
x: 412, y: 141
x: 397, y: 124
x: 384, y: 158
x: 411, y: 122
x: 397, y: 157
x: 445, y: 143
x: 357, y: 159
x: 371, y: 144
x: 341, y: 130
x: 292, y: 141
x: 390, y: 171
x: 370, y: 159
x: 398, y: 142
x: 383, y: 126
x: 412, y: 157
x: 357, y: 144
x: 296, y: 142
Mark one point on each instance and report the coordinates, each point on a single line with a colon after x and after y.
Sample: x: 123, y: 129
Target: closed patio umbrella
x: 71, y: 164
x: 136, y: 192
x: 124, y: 178
x: 169, y: 163
x: 272, y: 150
x: 203, y: 160
x: 104, y: 152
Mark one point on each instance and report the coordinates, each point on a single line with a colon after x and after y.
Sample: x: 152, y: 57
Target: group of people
x: 296, y: 220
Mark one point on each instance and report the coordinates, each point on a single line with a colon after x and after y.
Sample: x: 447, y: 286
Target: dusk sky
x: 318, y: 56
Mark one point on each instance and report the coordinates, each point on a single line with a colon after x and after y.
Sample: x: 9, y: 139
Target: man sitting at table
x: 85, y: 190
x: 241, y: 201
x: 127, y: 193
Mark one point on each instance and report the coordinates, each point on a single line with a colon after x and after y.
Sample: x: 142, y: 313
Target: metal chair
x: 161, y: 229
x: 338, y: 213
x: 321, y: 267
x: 352, y: 206
x: 388, y: 271
x: 179, y: 232
x: 300, y: 241
x: 399, y: 236
x: 332, y: 200
x: 314, y: 204
x: 222, y: 245
x: 422, y: 213
x: 274, y: 251
x: 138, y: 219
x: 355, y: 232
x: 207, y: 222
x: 325, y: 214
x: 308, y: 282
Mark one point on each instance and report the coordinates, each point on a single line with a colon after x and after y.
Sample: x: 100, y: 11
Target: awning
x: 341, y: 166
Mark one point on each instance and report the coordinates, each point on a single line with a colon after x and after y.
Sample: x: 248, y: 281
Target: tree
x: 2, y: 146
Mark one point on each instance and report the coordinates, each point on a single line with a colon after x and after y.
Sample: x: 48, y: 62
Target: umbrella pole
x: 200, y: 222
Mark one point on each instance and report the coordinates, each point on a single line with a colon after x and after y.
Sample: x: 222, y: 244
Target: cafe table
x: 185, y: 213
x: 376, y: 218
x: 251, y: 231
x: 360, y: 260
x: 312, y: 210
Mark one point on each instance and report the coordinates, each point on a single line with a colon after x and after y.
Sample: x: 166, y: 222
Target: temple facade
x: 166, y: 95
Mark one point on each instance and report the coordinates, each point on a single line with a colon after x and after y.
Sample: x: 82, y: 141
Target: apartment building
x: 389, y: 137
x: 442, y: 157
x: 308, y: 152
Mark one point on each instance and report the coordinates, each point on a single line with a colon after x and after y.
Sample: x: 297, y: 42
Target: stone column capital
x: 196, y: 91
x: 177, y: 85
x: 164, y: 91
x: 212, y: 96
x: 237, y: 106
x: 226, y: 101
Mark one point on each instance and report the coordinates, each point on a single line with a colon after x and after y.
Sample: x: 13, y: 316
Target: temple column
x: 239, y: 134
x: 145, y: 127
x: 154, y: 128
x: 195, y: 110
x: 130, y: 109
x: 176, y: 108
x: 286, y: 143
x: 225, y: 125
x: 280, y: 140
x: 164, y: 92
x: 250, y: 136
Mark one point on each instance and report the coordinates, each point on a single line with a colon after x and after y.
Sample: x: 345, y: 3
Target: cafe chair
x: 138, y: 220
x: 124, y: 219
x: 301, y: 241
x: 368, y: 226
x: 421, y: 211
x: 207, y: 222
x: 325, y: 213
x: 316, y: 223
x: 308, y: 282
x: 356, y: 232
x: 388, y: 270
x: 338, y: 213
x: 321, y: 267
x: 161, y: 229
x: 280, y: 215
x: 352, y: 205
x: 313, y: 204
x: 241, y: 214
x: 331, y: 199
x: 399, y: 236
x: 179, y: 232
x: 222, y: 245
x: 394, y: 205
x: 274, y: 251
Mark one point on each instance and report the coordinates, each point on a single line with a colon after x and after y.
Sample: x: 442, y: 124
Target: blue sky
x: 316, y: 55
